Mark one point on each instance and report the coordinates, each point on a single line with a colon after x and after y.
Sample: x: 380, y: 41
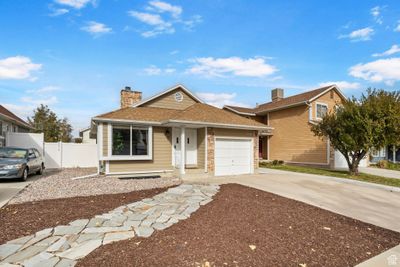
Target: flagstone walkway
x: 63, y: 245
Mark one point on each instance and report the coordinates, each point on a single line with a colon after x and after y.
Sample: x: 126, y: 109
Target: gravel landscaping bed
x: 19, y: 220
x: 60, y: 185
x: 247, y: 227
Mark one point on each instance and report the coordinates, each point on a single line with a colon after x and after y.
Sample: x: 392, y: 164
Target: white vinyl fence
x: 57, y: 155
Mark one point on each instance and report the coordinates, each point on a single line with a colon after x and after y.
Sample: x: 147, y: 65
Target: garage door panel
x: 233, y: 156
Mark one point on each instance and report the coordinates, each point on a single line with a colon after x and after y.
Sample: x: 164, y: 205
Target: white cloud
x: 160, y: 26
x: 252, y: 67
x: 37, y: 101
x: 343, y: 85
x: 96, y: 28
x: 376, y: 14
x: 163, y: 24
x: 154, y: 70
x: 44, y: 90
x: 162, y: 7
x: 393, y: 50
x: 363, y: 34
x: 58, y: 12
x: 174, y: 52
x: 77, y: 4
x: 220, y: 99
x: 18, y: 68
x: 192, y: 22
x: 382, y: 70
x: 397, y: 29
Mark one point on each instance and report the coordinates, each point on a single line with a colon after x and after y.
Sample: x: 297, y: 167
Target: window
x: 132, y: 142
x: 322, y: 109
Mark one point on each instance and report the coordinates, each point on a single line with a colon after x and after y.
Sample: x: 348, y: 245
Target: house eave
x: 238, y: 112
x: 211, y: 124
x: 283, y: 107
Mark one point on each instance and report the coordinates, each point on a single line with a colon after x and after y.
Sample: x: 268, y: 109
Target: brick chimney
x: 276, y: 94
x: 129, y: 97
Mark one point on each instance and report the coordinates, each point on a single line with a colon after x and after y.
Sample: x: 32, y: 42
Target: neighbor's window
x: 322, y: 109
x: 129, y: 141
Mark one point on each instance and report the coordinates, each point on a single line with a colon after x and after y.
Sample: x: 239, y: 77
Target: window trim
x: 149, y: 155
x: 316, y: 109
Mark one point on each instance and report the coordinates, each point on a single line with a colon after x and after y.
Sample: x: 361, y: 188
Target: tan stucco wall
x: 201, y: 147
x: 292, y: 139
x: 168, y: 101
x: 162, y: 156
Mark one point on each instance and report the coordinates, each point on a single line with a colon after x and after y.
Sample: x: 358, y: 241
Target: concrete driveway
x: 381, y: 172
x: 9, y: 188
x: 363, y: 201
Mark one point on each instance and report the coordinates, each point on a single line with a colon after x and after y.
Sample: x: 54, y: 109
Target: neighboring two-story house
x: 9, y: 122
x: 291, y: 139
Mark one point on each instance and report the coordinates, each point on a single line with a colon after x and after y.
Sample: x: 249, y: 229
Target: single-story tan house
x: 175, y: 132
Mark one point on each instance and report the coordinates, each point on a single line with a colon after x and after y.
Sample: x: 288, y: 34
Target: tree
x: 373, y: 121
x: 45, y: 121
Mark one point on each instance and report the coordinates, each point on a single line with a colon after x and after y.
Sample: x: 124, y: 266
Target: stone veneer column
x: 256, y: 150
x: 210, y: 150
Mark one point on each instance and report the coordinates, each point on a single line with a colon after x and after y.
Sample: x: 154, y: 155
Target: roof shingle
x: 11, y: 115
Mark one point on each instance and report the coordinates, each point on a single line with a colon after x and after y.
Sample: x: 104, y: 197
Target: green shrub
x: 281, y: 162
x: 275, y: 162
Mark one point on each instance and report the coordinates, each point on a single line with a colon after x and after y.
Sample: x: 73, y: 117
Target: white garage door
x: 233, y: 156
x: 341, y: 163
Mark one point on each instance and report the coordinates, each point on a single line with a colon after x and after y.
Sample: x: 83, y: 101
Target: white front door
x: 190, y: 146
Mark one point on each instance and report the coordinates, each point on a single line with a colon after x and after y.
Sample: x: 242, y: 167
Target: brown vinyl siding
x: 162, y: 156
x: 201, y: 147
x: 168, y: 101
x: 105, y: 139
x: 292, y: 139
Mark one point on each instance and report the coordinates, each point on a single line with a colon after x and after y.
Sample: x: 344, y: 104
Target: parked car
x: 20, y: 162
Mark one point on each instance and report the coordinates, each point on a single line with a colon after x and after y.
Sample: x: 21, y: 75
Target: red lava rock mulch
x: 19, y: 220
x: 284, y: 232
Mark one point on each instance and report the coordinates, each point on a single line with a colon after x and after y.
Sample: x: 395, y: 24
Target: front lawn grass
x: 335, y: 173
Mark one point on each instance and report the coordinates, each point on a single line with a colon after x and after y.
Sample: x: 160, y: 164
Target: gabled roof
x: 12, y: 117
x: 178, y: 86
x: 241, y: 110
x: 199, y: 113
x: 291, y: 101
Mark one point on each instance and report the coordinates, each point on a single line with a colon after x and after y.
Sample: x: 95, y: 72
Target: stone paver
x: 63, y: 245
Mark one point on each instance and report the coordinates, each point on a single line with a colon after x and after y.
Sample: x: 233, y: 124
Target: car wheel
x: 24, y: 174
x: 40, y: 171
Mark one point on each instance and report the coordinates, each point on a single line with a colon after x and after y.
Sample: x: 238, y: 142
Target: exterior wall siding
x: 105, y: 139
x: 292, y: 139
x: 201, y: 147
x: 326, y: 99
x: 168, y: 101
x: 162, y: 156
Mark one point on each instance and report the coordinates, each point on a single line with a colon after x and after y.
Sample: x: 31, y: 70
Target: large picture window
x: 322, y: 110
x: 130, y: 141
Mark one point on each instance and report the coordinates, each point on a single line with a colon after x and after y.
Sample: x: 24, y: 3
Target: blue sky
x: 76, y: 55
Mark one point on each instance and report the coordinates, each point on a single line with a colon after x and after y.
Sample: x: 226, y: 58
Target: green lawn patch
x: 335, y: 173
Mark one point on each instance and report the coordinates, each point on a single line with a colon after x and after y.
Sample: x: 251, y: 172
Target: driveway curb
x: 337, y: 179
